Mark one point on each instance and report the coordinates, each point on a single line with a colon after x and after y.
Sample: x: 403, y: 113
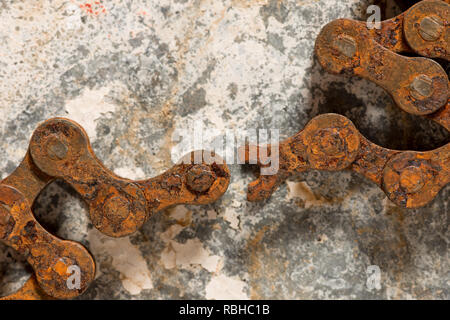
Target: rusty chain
x: 60, y: 149
x: 418, y: 85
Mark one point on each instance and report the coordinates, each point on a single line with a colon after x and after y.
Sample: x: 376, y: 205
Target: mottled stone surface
x: 136, y: 73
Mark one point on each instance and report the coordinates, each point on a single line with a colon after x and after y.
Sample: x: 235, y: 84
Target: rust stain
x: 60, y: 149
x: 48, y: 255
x: 93, y: 8
x: 253, y: 246
x: 331, y: 142
x: 262, y: 264
x: 418, y: 85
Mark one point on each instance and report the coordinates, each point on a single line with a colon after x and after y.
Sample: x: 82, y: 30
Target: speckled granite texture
x: 134, y: 73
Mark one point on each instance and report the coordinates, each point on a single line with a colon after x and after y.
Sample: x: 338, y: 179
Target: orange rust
x: 60, y: 267
x: 418, y: 85
x: 426, y: 29
x: 119, y: 206
x: 410, y: 179
x: 29, y: 291
x: 42, y: 250
x: 60, y: 148
x: 422, y: 29
x: 390, y: 35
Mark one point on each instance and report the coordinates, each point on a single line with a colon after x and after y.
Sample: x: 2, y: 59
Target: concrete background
x: 134, y: 73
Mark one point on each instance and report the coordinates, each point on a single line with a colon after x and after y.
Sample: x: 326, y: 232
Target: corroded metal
x: 29, y: 291
x: 426, y: 29
x: 331, y: 142
x: 49, y: 256
x: 60, y: 149
x: 418, y: 85
x: 422, y: 29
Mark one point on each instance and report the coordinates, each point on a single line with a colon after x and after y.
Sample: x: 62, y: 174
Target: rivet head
x: 327, y: 142
x: 431, y: 28
x: 200, y: 178
x: 56, y: 148
x: 116, y: 209
x: 411, y: 179
x: 346, y: 45
x: 422, y: 87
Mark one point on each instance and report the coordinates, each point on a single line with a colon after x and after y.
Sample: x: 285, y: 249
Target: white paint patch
x: 188, y: 255
x: 303, y: 191
x: 135, y: 173
x: 222, y: 287
x: 88, y: 107
x: 73, y: 20
x: 232, y: 217
x: 126, y: 259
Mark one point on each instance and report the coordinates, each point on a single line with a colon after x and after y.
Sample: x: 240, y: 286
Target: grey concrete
x: 136, y: 73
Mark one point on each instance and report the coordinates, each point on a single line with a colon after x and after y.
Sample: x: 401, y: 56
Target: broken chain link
x: 418, y: 85
x: 60, y: 149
